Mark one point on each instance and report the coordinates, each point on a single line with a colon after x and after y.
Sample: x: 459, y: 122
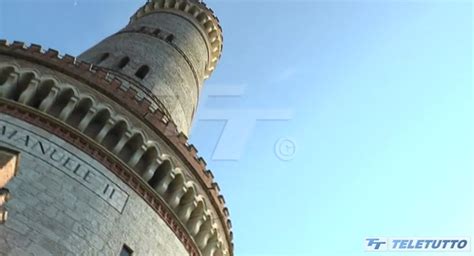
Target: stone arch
x: 175, y: 191
x: 170, y: 3
x: 202, y: 17
x: 197, y: 216
x: 80, y: 111
x: 161, y: 172
x: 182, y: 6
x: 205, y: 231
x: 187, y: 202
x: 176, y: 184
x: 22, y: 83
x: 13, y: 82
x: 146, y: 159
x: 114, y: 135
x: 190, y: 194
x: 210, y: 246
x: 200, y: 208
x: 5, y: 73
x: 132, y: 145
x: 42, y: 91
x: 97, y: 123
x: 61, y: 101
x: 194, y: 11
x: 159, y: 3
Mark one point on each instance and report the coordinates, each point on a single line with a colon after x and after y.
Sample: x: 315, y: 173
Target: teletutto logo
x: 418, y: 244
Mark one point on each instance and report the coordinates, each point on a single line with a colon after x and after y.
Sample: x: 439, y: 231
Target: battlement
x: 131, y: 97
x: 199, y: 13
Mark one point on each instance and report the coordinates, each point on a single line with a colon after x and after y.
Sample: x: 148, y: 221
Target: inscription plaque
x: 61, y: 159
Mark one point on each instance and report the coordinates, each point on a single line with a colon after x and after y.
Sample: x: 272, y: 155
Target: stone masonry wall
x: 66, y: 203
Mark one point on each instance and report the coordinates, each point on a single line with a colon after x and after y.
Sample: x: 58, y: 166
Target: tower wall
x: 67, y: 203
x: 102, y: 138
x: 176, y: 49
x: 78, y: 103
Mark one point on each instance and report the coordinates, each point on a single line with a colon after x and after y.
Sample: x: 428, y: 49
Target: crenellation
x: 68, y: 59
x: 78, y: 117
x: 210, y: 174
x: 201, y: 161
x: 36, y: 48
x: 19, y: 45
x: 192, y: 150
x: 50, y: 53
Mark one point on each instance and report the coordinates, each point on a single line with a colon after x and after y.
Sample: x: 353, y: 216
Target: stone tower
x: 99, y: 143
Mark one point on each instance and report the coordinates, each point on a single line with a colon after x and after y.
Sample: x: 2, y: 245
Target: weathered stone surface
x: 122, y: 170
x: 64, y: 217
x: 179, y: 152
x: 177, y: 68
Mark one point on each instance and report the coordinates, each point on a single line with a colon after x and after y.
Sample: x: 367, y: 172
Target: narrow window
x: 142, y: 72
x: 126, y: 251
x: 169, y: 38
x: 103, y: 57
x: 123, y: 62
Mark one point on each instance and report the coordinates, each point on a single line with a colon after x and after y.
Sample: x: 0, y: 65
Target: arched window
x: 169, y: 38
x: 103, y: 57
x: 142, y: 72
x: 123, y: 62
x: 160, y: 173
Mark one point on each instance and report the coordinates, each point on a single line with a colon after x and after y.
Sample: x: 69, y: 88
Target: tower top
x: 197, y: 12
x: 166, y: 51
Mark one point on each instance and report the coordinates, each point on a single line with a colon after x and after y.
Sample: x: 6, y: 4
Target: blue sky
x: 377, y: 97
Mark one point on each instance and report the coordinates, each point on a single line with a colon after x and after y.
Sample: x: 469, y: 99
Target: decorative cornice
x: 99, y: 79
x: 122, y: 171
x: 200, y: 13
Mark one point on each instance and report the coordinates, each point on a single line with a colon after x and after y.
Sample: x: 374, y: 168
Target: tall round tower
x: 99, y: 143
x: 169, y: 48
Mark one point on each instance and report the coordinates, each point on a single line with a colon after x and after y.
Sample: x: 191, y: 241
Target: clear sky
x: 376, y: 97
